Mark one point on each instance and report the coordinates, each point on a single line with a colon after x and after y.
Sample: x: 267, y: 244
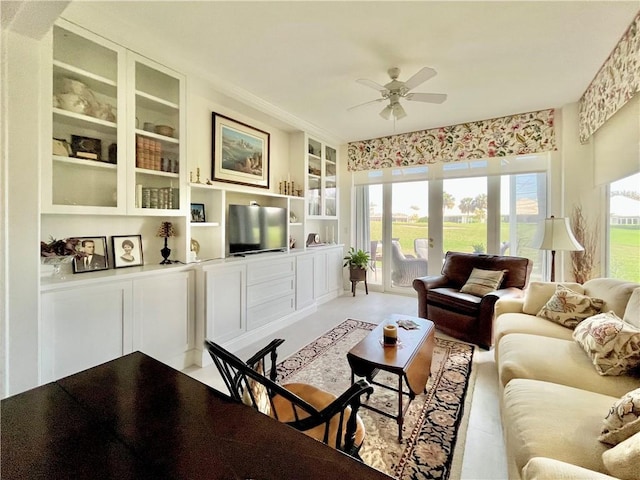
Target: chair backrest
x: 421, y: 247
x: 249, y: 386
x: 458, y: 266
x: 396, y: 251
x: 374, y: 248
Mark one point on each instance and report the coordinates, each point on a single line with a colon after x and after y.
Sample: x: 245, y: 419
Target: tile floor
x: 484, y: 455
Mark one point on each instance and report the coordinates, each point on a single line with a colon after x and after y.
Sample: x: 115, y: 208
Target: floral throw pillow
x: 612, y: 345
x: 623, y: 419
x: 569, y: 308
x: 481, y: 282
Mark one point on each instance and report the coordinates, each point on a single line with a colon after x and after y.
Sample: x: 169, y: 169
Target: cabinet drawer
x: 262, y: 292
x: 269, y: 269
x: 264, y: 313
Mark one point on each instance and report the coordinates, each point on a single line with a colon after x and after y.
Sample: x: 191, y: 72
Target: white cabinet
x: 320, y: 174
x: 85, y: 324
x: 320, y: 274
x: 83, y: 327
x: 304, y: 280
x: 225, y: 302
x: 162, y: 309
x: 321, y: 162
x: 155, y: 146
x: 334, y: 269
x: 116, y: 124
x: 83, y: 169
x: 270, y: 290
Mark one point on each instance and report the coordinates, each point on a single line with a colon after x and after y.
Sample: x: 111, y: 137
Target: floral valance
x: 615, y: 83
x: 520, y: 134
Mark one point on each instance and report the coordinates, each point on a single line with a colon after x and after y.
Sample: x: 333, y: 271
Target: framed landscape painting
x: 240, y: 153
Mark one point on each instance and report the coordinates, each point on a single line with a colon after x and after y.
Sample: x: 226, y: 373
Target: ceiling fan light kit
x: 396, y: 89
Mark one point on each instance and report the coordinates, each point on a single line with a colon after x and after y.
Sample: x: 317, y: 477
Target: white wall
x: 578, y: 186
x: 22, y: 246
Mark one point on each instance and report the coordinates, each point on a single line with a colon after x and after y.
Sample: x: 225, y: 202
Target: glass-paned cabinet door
x: 330, y: 185
x: 85, y: 173
x: 314, y: 177
x: 157, y: 175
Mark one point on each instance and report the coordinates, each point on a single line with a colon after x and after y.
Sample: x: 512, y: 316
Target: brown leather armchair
x: 462, y: 315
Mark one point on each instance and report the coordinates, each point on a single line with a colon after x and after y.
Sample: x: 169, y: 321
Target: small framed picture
x: 85, y: 147
x: 197, y: 213
x: 127, y: 250
x: 93, y: 255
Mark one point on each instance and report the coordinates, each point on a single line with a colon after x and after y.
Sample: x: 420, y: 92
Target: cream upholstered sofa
x: 554, y: 401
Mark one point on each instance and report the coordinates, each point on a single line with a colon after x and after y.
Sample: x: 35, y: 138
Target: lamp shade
x: 555, y: 234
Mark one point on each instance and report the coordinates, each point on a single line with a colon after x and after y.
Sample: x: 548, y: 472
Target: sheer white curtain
x: 362, y: 231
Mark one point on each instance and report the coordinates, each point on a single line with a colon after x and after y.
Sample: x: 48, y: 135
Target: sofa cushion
x: 623, y: 419
x: 569, y: 308
x: 612, y: 345
x: 539, y: 293
x: 558, y: 361
x: 481, y: 282
x: 623, y: 460
x: 522, y: 323
x: 543, y: 419
x: 541, y: 468
x: 614, y: 292
x: 452, y: 299
x: 632, y: 312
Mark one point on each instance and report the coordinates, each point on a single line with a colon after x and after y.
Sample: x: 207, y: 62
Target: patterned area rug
x: 432, y: 421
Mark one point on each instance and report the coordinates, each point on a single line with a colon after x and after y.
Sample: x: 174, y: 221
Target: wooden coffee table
x: 410, y: 359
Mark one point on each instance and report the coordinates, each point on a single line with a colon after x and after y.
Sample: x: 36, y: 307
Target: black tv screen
x: 252, y: 229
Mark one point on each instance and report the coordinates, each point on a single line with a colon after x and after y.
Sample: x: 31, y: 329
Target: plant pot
x: 357, y: 274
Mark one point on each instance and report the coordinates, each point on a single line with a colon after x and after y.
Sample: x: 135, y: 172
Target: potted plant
x: 358, y: 262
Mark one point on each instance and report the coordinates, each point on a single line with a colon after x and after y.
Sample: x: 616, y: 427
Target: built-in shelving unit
x: 103, y: 160
x: 321, y: 192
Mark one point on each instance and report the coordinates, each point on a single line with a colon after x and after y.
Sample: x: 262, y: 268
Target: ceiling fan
x: 395, y: 90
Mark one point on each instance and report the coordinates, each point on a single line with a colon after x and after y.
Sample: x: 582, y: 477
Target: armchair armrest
x: 422, y: 284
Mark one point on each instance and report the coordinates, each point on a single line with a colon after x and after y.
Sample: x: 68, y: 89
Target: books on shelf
x: 161, y: 198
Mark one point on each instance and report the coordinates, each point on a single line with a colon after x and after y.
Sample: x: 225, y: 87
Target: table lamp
x: 555, y: 234
x: 165, y: 231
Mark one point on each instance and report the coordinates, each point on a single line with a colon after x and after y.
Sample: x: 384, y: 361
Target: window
x: 624, y: 229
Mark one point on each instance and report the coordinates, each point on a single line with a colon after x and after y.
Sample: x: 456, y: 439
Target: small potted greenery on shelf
x: 358, y: 263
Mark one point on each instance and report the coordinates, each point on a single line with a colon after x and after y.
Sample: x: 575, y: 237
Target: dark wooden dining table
x: 137, y: 418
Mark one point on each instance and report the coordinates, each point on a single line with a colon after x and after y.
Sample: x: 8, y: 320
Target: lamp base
x: 166, y: 253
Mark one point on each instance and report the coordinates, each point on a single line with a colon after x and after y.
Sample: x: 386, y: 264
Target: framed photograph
x: 197, y: 213
x: 93, y: 255
x: 87, y: 148
x: 240, y: 153
x: 127, y: 250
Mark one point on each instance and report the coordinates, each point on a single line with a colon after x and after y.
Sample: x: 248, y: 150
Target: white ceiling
x: 302, y: 58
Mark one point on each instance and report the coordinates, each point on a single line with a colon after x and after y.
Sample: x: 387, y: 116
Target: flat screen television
x: 253, y: 229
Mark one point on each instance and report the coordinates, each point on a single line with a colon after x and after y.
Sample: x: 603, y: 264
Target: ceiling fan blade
x: 419, y: 77
x: 371, y: 84
x: 427, y: 97
x: 365, y: 103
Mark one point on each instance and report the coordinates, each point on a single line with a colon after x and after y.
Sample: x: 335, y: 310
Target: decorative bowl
x: 69, y: 85
x: 165, y: 130
x: 74, y: 103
